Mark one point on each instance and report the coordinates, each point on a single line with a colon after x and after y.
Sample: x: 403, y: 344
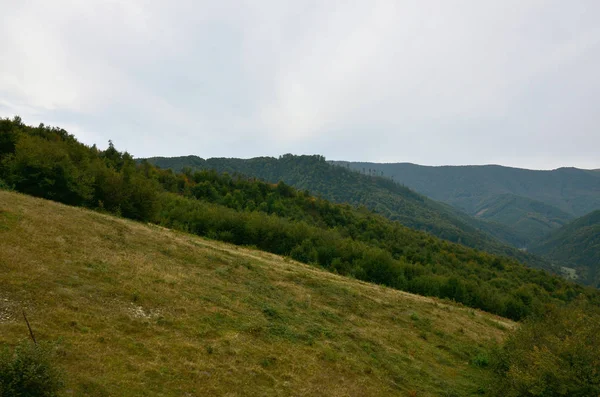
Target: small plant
x: 5, y: 186
x: 481, y: 360
x: 270, y: 312
x: 28, y: 370
x: 414, y: 317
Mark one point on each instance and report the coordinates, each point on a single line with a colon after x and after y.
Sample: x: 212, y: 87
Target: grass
x: 140, y: 310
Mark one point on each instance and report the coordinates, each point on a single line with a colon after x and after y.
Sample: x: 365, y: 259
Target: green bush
x: 555, y: 354
x: 4, y: 185
x: 28, y: 371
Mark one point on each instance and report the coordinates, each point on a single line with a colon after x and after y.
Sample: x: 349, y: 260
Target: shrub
x: 4, y: 185
x: 555, y: 354
x: 28, y: 371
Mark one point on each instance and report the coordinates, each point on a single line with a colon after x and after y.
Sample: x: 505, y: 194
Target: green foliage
x: 517, y: 206
x: 48, y: 162
x: 569, y: 190
x: 530, y: 219
x: 5, y: 186
x: 481, y: 360
x: 28, y: 371
x: 379, y: 194
x: 554, y: 354
x: 362, y: 245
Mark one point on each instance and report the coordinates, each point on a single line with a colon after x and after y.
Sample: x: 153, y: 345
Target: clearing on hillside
x: 139, y: 310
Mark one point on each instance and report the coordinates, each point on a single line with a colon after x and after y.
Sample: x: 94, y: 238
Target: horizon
x: 313, y: 154
x: 368, y: 162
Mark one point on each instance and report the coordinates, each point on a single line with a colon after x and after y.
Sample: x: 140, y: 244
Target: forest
x: 377, y: 192
x: 49, y: 162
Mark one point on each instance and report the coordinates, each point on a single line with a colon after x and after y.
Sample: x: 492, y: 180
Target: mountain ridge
x: 577, y: 244
x: 382, y: 195
x: 566, y: 193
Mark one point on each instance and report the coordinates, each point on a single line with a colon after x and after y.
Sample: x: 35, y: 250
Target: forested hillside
x: 529, y: 219
x: 578, y: 245
x: 384, y: 196
x: 558, y: 196
x: 50, y: 163
x: 574, y: 191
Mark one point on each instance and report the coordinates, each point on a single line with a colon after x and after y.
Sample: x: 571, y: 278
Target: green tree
x: 554, y: 354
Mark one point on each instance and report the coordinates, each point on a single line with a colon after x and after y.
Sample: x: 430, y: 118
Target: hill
x: 50, y: 163
x: 140, y: 310
x: 571, y: 191
x: 530, y: 219
x: 576, y: 244
x: 394, y: 201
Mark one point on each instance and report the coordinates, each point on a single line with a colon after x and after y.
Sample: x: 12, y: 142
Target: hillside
x: 50, y: 163
x: 530, y: 219
x: 571, y: 191
x: 139, y: 310
x: 394, y: 201
x: 576, y: 244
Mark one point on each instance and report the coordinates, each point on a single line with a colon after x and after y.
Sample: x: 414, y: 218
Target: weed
x: 481, y: 360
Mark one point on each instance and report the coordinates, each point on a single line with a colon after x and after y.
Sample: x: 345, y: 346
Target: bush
x: 4, y: 185
x: 28, y: 371
x: 555, y: 354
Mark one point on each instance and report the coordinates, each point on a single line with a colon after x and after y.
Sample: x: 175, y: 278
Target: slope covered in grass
x: 136, y: 310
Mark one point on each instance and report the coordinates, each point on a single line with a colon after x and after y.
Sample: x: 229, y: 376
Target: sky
x: 447, y: 82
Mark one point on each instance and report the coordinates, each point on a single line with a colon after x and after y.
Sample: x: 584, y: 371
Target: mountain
x: 529, y: 219
x: 576, y: 244
x: 130, y: 307
x: 138, y: 310
x: 394, y: 201
x: 355, y: 242
x: 530, y: 202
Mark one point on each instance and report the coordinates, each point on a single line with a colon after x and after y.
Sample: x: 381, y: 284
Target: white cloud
x: 432, y: 82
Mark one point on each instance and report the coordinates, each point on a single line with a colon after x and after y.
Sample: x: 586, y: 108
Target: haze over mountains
x: 504, y: 194
x: 576, y: 244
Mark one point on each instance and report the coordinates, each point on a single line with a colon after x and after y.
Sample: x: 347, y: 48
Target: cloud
x: 433, y: 82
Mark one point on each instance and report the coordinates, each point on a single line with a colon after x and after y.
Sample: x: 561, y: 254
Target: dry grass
x: 141, y: 310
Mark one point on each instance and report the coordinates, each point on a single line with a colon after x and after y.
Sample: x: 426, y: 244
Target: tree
x: 554, y: 354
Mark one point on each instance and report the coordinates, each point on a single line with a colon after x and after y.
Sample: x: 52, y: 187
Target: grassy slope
x: 576, y: 244
x: 141, y: 310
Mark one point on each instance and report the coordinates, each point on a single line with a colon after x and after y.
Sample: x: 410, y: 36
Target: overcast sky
x: 431, y: 82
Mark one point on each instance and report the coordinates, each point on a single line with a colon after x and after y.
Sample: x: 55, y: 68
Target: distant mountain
x: 381, y: 195
x: 576, y: 244
x: 529, y: 219
x: 531, y: 203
